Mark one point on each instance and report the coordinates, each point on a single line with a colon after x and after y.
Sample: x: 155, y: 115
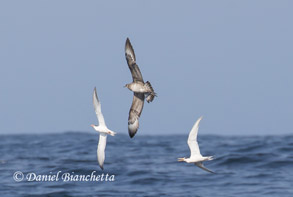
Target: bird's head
x: 181, y: 159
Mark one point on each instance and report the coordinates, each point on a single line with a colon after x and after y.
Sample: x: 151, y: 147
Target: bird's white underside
x: 102, y: 129
x: 134, y: 125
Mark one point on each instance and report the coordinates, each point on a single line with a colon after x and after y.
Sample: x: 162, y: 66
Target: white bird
x: 102, y: 129
x: 195, y: 156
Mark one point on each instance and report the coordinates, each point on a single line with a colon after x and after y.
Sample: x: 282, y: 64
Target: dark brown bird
x: 139, y: 88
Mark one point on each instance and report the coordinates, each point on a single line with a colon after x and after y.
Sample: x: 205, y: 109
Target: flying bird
x: 140, y: 89
x: 102, y: 129
x: 195, y: 156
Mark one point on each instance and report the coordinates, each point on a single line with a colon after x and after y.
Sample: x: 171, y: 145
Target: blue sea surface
x: 147, y: 165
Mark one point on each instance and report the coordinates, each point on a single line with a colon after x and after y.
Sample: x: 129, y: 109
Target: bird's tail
x: 112, y: 133
x: 152, y: 94
x: 209, y: 158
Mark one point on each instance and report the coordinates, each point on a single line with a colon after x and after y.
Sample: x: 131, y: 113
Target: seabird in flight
x: 195, y: 156
x: 102, y: 129
x: 140, y: 90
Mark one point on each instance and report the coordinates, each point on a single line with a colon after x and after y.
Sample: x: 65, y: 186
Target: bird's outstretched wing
x: 97, y: 106
x: 101, y: 149
x: 134, y: 113
x: 192, y: 139
x: 200, y: 165
x: 131, y: 61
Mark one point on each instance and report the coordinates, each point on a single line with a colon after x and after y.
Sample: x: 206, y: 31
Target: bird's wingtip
x: 127, y: 40
x: 132, y: 132
x: 133, y: 126
x: 199, y: 119
x: 131, y: 135
x: 129, y: 52
x: 212, y: 172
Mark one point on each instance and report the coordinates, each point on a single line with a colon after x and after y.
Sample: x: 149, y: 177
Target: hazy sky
x: 230, y: 61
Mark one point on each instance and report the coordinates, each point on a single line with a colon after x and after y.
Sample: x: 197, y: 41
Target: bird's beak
x: 92, y: 125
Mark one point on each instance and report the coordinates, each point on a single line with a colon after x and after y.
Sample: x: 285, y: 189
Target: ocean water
x: 145, y: 166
